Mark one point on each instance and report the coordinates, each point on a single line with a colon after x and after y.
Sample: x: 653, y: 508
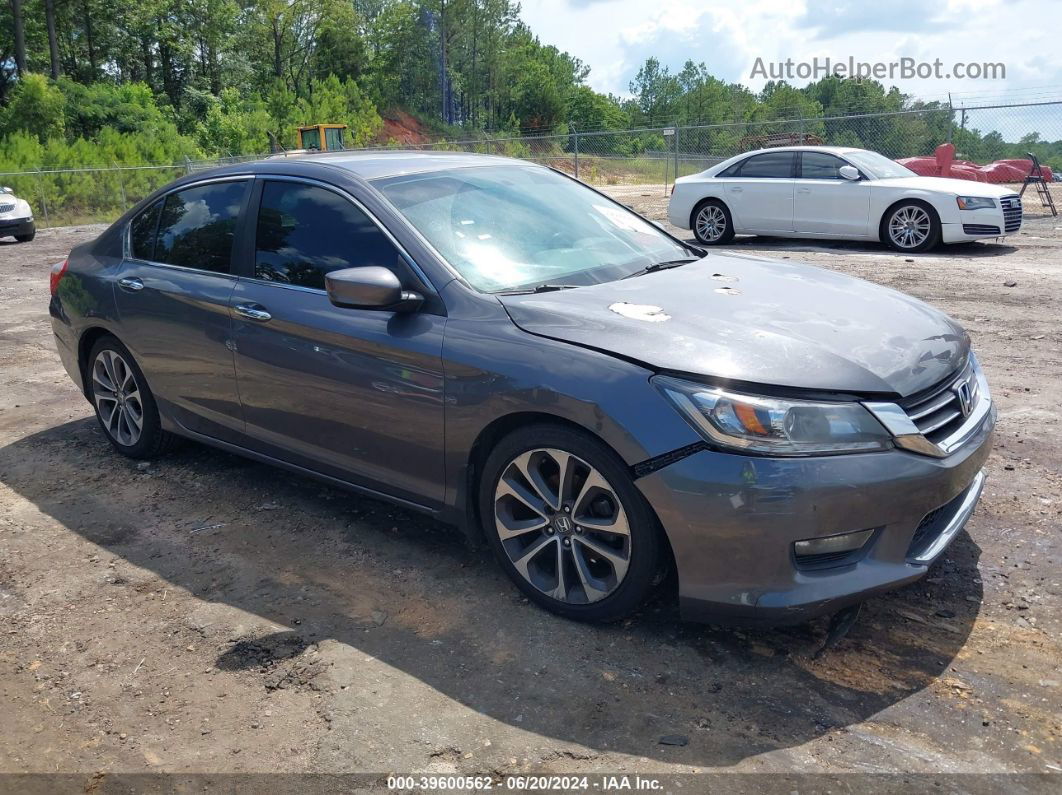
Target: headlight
x: 778, y: 426
x: 974, y: 203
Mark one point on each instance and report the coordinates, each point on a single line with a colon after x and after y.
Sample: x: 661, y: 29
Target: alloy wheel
x: 562, y: 526
x: 117, y: 397
x: 909, y: 226
x: 711, y: 223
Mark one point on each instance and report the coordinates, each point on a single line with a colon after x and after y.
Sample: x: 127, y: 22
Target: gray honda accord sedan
x: 495, y: 344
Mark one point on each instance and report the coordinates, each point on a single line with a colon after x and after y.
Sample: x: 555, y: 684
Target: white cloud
x: 831, y: 18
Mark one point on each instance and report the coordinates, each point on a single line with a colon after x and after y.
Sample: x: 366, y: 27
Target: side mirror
x: 370, y: 287
x: 850, y: 173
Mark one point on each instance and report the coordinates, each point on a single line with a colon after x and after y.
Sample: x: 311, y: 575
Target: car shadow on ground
x: 325, y: 564
x: 975, y: 249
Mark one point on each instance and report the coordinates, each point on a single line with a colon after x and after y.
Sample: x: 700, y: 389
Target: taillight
x: 58, y: 271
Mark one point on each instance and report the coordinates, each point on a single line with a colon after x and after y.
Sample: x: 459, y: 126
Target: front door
x: 172, y: 295
x: 356, y: 394
x: 827, y: 203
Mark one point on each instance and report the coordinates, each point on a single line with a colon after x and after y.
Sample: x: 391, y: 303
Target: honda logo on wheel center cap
x: 562, y: 524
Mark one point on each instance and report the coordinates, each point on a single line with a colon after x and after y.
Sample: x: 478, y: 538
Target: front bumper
x: 732, y: 521
x: 978, y: 224
x: 16, y: 226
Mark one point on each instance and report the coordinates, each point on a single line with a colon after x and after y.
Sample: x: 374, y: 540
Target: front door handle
x: 252, y: 312
x: 131, y: 284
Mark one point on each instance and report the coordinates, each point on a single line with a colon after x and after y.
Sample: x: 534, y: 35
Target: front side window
x: 304, y: 232
x: 513, y: 227
x: 819, y: 165
x: 198, y: 226
x: 772, y: 165
x: 142, y: 232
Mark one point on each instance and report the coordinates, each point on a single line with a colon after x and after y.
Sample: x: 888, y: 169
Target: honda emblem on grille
x: 965, y: 396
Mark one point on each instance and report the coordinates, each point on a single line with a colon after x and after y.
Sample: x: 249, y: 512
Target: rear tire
x: 590, y: 549
x: 712, y: 223
x: 910, y: 226
x: 125, y: 408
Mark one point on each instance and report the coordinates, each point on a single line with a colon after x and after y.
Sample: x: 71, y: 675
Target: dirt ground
x: 203, y: 613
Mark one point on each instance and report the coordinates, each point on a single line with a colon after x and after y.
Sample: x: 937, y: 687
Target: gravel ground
x: 206, y: 613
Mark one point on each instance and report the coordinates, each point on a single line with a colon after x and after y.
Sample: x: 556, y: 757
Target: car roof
x: 392, y: 163
x: 837, y: 150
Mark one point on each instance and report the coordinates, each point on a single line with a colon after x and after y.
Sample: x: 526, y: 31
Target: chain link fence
x: 655, y: 156
x: 647, y: 159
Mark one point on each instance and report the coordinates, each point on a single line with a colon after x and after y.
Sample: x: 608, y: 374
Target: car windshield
x: 879, y: 165
x: 514, y: 227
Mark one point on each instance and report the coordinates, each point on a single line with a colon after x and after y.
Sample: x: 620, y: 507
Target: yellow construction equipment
x: 322, y: 137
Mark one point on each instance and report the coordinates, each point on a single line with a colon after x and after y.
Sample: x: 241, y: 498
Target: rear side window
x: 772, y: 165
x: 304, y: 232
x: 733, y: 170
x: 142, y: 232
x: 819, y: 165
x: 198, y: 226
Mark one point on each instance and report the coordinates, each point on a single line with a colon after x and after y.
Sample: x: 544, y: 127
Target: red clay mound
x: 403, y: 128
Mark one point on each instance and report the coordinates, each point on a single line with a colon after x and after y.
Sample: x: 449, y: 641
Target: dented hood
x: 758, y: 321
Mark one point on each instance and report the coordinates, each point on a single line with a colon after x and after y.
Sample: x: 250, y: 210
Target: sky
x: 614, y: 37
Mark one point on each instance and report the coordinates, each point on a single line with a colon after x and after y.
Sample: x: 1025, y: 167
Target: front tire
x: 26, y: 238
x: 125, y: 408
x: 567, y: 524
x: 712, y: 223
x: 910, y: 227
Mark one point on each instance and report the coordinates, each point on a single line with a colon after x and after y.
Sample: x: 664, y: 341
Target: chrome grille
x: 6, y: 208
x: 938, y: 411
x: 1011, y: 212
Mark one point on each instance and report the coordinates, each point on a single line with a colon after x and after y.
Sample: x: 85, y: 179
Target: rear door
x: 354, y: 393
x: 172, y: 293
x: 760, y: 193
x: 827, y: 203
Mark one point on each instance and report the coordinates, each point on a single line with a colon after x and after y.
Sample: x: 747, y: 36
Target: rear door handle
x: 252, y: 312
x: 130, y: 284
x: 803, y: 190
x: 735, y: 190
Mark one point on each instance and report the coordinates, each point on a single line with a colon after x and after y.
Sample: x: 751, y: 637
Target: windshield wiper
x: 546, y: 287
x: 661, y: 266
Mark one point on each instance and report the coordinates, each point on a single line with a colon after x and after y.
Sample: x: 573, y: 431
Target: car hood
x: 961, y: 187
x: 758, y: 321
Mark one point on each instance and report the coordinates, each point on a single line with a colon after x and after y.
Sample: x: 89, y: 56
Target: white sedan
x: 838, y: 193
x: 16, y: 217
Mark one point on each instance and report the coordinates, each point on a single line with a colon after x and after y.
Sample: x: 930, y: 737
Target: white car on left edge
x: 16, y: 217
x: 838, y: 193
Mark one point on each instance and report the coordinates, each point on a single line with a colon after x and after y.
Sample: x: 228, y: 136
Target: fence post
x: 187, y: 165
x: 951, y: 117
x: 678, y: 134
x: 44, y: 200
x: 576, y: 135
x: 121, y: 185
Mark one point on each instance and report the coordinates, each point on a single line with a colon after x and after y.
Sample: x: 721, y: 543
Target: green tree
x: 37, y: 107
x: 656, y: 93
